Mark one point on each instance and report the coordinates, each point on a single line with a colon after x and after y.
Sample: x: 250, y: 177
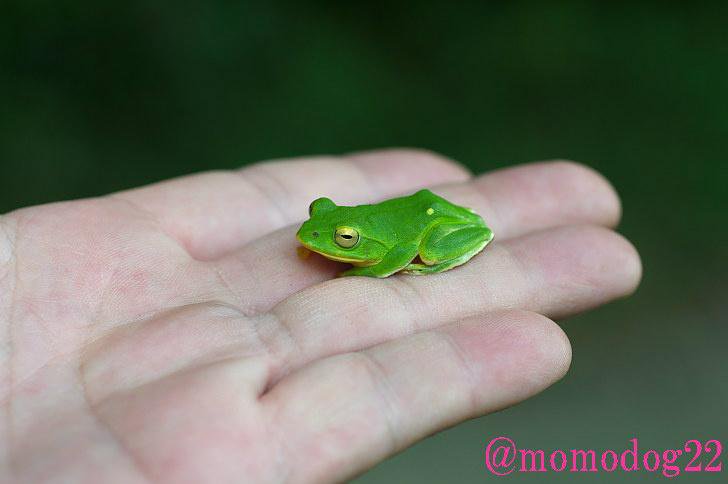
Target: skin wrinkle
x: 285, y: 362
x: 284, y: 452
x: 518, y: 264
x: 126, y: 392
x: 282, y: 361
x: 466, y: 367
x: 154, y: 219
x: 98, y: 311
x: 121, y: 324
x: 241, y: 305
x: 93, y: 346
x: 104, y: 334
x: 266, y: 182
x: 115, y: 437
x: 402, y: 291
x: 249, y: 308
x: 255, y: 183
x: 368, y: 180
x: 45, y: 326
x: 9, y: 403
x: 297, y: 348
x: 281, y: 193
x: 153, y: 313
x: 50, y: 362
x: 157, y: 222
x: 12, y: 245
x: 265, y: 345
x: 387, y: 396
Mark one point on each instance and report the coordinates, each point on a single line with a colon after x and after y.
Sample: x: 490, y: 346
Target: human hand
x: 171, y: 334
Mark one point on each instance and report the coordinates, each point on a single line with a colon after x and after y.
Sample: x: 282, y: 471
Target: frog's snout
x: 314, y: 234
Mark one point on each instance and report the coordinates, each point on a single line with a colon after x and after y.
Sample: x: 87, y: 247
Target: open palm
x: 171, y: 334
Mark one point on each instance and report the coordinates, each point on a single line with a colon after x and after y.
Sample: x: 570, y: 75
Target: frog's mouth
x: 337, y: 258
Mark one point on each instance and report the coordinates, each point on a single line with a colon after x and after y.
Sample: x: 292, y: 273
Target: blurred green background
x: 99, y: 97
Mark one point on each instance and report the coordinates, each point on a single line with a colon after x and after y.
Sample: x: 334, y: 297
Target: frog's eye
x: 346, y: 237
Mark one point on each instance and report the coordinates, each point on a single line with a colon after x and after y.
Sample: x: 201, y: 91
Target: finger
x: 513, y: 201
x: 343, y: 414
x: 197, y: 426
x: 213, y: 213
x: 557, y: 272
x: 534, y: 196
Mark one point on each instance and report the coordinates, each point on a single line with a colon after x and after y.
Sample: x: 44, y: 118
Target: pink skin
x: 171, y: 334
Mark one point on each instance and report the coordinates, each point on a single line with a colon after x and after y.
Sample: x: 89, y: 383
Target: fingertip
x: 630, y: 264
x: 581, y: 267
x: 514, y: 353
x: 556, y: 348
x: 545, y: 194
x: 584, y: 179
x: 610, y: 262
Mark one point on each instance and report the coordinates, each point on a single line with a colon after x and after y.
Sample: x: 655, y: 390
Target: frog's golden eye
x: 346, y: 237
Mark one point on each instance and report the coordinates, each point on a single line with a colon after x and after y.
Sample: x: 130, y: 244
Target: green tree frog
x: 388, y: 237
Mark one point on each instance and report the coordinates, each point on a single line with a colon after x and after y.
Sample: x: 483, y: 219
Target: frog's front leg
x: 393, y: 261
x: 448, y: 245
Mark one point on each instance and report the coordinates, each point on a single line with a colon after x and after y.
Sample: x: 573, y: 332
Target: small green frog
x: 387, y: 237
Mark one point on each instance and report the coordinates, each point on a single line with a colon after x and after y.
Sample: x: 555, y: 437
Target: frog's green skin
x: 394, y: 232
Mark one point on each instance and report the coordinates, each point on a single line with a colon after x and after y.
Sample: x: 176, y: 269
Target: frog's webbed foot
x: 422, y: 269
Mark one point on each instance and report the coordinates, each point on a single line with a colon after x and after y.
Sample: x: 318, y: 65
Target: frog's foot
x: 422, y: 269
x: 447, y: 247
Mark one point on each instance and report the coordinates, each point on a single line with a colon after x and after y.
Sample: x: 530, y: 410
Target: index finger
x: 214, y: 213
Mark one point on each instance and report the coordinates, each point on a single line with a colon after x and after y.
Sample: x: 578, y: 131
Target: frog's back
x: 400, y: 217
x: 419, y: 210
x: 444, y: 208
x: 412, y: 207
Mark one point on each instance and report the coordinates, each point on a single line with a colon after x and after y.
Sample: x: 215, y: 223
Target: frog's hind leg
x: 448, y: 246
x: 422, y: 269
